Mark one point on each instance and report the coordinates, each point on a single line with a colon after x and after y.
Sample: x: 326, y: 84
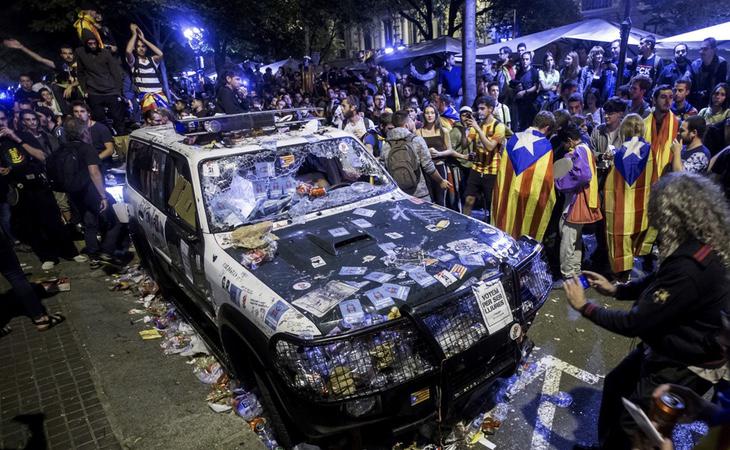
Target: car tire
x: 284, y: 433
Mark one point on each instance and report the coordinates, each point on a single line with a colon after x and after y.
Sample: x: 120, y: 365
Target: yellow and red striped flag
x: 627, y: 189
x: 524, y: 192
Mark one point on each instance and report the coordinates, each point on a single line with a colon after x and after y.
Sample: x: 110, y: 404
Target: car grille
x: 535, y: 282
x: 358, y: 365
x: 458, y: 325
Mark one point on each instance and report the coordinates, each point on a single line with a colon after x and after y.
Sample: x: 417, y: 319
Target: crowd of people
x: 551, y: 150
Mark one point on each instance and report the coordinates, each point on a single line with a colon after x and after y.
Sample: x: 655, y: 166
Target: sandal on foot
x: 49, y: 322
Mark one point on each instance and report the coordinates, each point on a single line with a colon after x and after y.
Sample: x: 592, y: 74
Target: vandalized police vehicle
x: 347, y: 301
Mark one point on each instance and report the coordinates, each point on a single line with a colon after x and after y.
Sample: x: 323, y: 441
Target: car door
x: 146, y: 176
x: 184, y: 238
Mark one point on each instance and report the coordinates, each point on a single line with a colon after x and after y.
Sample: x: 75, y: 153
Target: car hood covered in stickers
x: 339, y: 268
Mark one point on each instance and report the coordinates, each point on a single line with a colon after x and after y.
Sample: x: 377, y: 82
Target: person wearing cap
x: 677, y: 310
x: 100, y: 77
x: 199, y: 107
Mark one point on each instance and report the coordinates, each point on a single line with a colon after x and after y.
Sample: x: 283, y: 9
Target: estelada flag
x: 661, y: 141
x: 627, y: 189
x: 524, y: 192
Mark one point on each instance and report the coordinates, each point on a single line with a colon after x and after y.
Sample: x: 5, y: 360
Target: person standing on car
x: 676, y: 311
x: 88, y: 195
x: 406, y: 155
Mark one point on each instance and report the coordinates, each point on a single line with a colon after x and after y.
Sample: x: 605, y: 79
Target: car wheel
x: 285, y: 434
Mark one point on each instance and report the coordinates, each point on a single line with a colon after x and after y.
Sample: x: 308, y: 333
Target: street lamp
x: 194, y: 35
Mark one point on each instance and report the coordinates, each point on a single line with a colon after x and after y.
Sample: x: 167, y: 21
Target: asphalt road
x: 155, y: 401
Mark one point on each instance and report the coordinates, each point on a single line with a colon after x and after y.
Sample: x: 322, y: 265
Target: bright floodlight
x: 188, y: 33
x: 388, y: 50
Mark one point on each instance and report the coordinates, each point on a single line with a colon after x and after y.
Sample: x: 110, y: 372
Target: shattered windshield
x: 288, y: 182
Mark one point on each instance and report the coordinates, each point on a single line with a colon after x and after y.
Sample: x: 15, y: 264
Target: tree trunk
x: 454, y: 8
x: 469, y: 47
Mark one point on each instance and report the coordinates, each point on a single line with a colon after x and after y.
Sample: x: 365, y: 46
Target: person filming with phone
x: 677, y: 310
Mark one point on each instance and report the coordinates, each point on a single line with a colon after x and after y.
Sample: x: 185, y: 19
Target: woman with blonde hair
x: 627, y: 198
x: 444, y: 158
x: 597, y: 74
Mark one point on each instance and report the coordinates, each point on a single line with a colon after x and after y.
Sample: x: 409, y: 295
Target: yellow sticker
x: 661, y: 296
x: 420, y: 396
x: 443, y: 224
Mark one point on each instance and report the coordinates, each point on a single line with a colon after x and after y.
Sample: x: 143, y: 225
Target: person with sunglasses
x: 677, y: 310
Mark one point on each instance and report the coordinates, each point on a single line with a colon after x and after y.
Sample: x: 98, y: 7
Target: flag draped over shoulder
x: 627, y: 189
x: 661, y: 141
x: 524, y: 192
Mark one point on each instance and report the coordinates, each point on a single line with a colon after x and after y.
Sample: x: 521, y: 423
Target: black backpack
x: 403, y: 164
x: 65, y: 170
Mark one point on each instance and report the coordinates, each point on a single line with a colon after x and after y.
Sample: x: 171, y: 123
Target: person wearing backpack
x: 76, y: 168
x: 406, y: 154
x: 36, y: 213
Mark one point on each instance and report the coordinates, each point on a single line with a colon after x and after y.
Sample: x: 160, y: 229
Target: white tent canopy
x: 693, y: 39
x: 596, y: 30
x: 443, y: 44
x: 289, y: 63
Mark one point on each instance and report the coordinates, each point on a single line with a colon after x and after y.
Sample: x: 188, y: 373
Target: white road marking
x: 553, y: 369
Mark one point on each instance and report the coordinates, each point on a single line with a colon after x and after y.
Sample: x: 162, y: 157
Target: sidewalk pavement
x: 92, y: 382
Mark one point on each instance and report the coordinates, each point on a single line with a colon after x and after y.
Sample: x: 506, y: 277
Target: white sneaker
x: 48, y: 265
x: 81, y: 258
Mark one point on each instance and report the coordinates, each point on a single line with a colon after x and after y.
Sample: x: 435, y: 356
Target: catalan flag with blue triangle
x: 524, y: 192
x: 627, y: 201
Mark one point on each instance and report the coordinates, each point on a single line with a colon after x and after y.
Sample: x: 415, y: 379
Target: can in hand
x: 666, y: 412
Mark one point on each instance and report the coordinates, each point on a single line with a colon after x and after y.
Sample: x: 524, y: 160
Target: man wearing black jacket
x: 100, y: 77
x: 229, y: 99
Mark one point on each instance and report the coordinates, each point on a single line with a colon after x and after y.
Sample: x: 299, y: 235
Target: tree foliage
x: 670, y: 17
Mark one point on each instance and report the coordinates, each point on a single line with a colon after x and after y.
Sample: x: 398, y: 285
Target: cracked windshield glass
x: 277, y: 183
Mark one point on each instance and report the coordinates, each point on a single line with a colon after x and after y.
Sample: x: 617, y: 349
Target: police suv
x: 348, y: 302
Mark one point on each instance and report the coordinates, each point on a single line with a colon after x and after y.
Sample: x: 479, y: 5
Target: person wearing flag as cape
x: 524, y: 192
x: 660, y: 129
x: 627, y: 197
x: 579, y: 184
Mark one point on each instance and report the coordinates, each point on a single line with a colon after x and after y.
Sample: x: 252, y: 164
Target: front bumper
x: 437, y: 360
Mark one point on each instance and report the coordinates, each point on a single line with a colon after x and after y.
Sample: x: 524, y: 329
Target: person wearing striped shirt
x: 486, y: 160
x: 145, y: 69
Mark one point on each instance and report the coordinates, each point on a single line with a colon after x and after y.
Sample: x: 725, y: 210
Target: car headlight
x: 353, y: 365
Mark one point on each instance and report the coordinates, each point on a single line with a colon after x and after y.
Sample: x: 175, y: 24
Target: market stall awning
x: 443, y: 44
x: 596, y: 30
x: 693, y: 39
x: 289, y: 63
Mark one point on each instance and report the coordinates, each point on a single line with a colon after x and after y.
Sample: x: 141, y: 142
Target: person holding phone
x: 676, y: 311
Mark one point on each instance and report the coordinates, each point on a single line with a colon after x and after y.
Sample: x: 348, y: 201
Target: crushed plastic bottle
x: 247, y: 406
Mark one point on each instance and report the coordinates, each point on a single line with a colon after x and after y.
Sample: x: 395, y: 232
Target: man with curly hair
x: 676, y: 311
